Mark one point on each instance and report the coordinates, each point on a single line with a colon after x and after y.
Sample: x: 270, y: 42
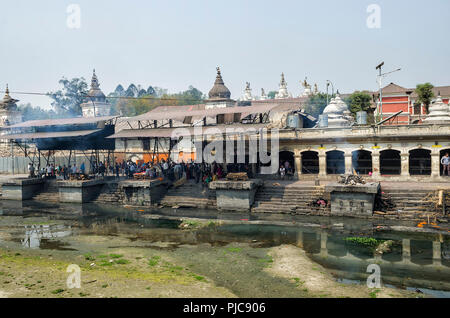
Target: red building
x: 396, y: 98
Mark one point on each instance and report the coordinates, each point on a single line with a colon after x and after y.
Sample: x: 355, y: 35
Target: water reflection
x: 413, y: 260
x: 34, y: 234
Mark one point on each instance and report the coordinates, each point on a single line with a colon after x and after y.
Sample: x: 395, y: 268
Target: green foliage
x: 359, y: 101
x: 316, y: 104
x: 271, y: 94
x: 66, y: 102
x: 152, y: 98
x: 425, y: 94
x: 365, y: 241
x: 154, y: 260
x: 34, y: 113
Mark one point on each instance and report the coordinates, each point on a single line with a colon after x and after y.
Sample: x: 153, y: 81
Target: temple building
x: 396, y: 98
x: 338, y: 113
x: 439, y: 112
x: 9, y: 115
x: 219, y: 95
x: 96, y: 105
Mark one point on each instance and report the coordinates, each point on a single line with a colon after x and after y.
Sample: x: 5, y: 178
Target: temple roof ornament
x: 338, y: 113
x: 263, y: 94
x: 316, y: 90
x: 439, y: 112
x: 219, y: 91
x: 307, y: 88
x: 95, y: 92
x: 8, y: 103
x: 247, y: 93
x: 283, y: 92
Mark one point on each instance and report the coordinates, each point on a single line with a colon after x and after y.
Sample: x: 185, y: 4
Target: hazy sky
x: 174, y: 44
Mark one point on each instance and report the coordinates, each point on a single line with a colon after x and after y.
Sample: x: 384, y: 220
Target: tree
x: 33, y: 113
x: 66, y: 102
x: 316, y: 104
x: 271, y: 94
x: 425, y: 94
x: 119, y: 91
x: 359, y: 101
x: 132, y: 91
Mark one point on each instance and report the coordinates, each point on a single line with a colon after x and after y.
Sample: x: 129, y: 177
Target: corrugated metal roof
x: 185, y: 131
x: 61, y: 121
x: 53, y: 134
x: 161, y: 115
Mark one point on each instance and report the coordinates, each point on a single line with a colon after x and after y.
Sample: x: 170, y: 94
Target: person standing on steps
x: 445, y: 161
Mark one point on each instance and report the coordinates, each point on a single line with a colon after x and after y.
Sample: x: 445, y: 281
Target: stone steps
x: 189, y: 195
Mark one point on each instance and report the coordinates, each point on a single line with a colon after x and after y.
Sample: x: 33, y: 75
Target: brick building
x: 396, y: 98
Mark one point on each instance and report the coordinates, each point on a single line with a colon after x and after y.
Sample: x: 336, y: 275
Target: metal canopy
x: 166, y: 115
x: 60, y: 122
x: 176, y: 132
x: 53, y: 134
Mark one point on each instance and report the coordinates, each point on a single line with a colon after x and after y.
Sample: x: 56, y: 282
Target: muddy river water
x: 230, y: 248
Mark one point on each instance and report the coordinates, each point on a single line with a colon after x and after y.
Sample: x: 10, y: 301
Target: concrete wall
x: 19, y: 165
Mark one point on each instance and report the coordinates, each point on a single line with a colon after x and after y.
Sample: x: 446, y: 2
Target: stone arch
x: 335, y: 162
x: 441, y: 167
x: 310, y: 162
x: 390, y: 162
x: 420, y: 161
x: 362, y: 161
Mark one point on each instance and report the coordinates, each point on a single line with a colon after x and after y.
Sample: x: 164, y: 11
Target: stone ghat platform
x: 21, y: 188
x: 413, y: 201
x: 235, y: 195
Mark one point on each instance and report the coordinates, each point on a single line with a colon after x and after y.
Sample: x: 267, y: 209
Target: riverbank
x: 140, y: 252
x: 137, y: 273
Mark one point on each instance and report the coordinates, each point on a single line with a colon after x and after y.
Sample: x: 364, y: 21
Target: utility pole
x: 380, y: 85
x: 332, y: 89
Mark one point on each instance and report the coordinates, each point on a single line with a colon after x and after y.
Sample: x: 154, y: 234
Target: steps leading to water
x: 289, y: 199
x: 49, y: 192
x: 190, y: 194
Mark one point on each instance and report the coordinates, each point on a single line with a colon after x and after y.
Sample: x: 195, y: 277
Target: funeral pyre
x: 351, y: 179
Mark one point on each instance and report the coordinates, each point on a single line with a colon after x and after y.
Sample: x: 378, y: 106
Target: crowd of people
x: 165, y: 169
x: 171, y: 170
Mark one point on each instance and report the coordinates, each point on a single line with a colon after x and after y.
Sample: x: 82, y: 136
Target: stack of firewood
x: 351, y: 179
x: 237, y: 176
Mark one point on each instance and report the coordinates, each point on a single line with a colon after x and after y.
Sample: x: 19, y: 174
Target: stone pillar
x: 254, y: 169
x: 348, y: 163
x: 376, y: 172
x: 404, y: 157
x: 300, y: 239
x: 437, y: 253
x: 323, y: 244
x: 406, y: 250
x: 298, y: 166
x: 322, y: 164
x: 435, y: 164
